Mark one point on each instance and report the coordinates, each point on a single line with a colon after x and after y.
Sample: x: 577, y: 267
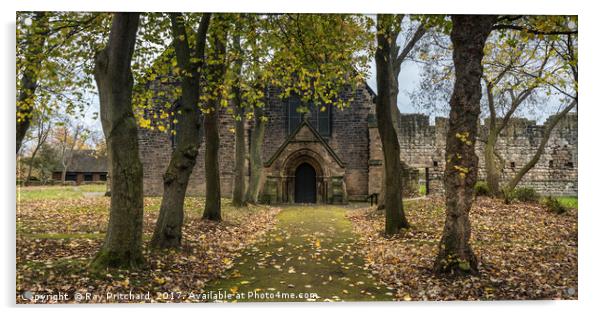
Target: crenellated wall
x: 423, y: 146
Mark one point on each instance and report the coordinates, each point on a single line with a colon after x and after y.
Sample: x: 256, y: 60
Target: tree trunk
x: 468, y: 36
x: 394, y: 216
x: 29, y: 80
x: 42, y: 135
x: 216, y: 71
x: 168, y: 230
x: 238, y: 196
x: 492, y: 168
x: 213, y: 206
x: 68, y: 153
x: 395, y: 119
x: 540, y: 149
x: 397, y: 57
x: 255, y: 160
x: 122, y: 246
x: 33, y: 156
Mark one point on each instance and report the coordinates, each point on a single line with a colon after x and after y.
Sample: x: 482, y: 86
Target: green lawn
x: 57, y: 192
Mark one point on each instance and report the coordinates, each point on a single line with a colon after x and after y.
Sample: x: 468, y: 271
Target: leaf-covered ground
x: 310, y: 255
x: 525, y: 252
x: 323, y: 253
x: 56, y: 239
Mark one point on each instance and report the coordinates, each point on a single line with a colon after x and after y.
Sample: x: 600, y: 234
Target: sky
x: 409, y: 80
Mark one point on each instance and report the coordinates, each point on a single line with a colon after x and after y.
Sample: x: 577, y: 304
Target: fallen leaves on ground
x: 524, y: 251
x: 56, y: 239
x: 311, y: 254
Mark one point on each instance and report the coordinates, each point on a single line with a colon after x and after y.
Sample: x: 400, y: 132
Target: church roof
x: 293, y: 138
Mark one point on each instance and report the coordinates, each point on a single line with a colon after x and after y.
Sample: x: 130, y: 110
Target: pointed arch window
x: 319, y: 117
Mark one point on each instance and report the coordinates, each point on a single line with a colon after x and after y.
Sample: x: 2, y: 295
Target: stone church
x: 335, y: 156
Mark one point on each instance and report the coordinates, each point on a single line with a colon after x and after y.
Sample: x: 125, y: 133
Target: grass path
x: 311, y: 254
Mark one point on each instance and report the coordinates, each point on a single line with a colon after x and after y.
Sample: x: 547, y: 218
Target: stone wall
x: 355, y: 140
x: 423, y: 146
x: 155, y: 152
x: 556, y: 171
x: 349, y: 139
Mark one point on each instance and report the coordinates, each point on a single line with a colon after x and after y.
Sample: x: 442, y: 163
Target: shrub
x: 481, y: 189
x: 524, y: 195
x: 553, y: 205
x: 568, y: 201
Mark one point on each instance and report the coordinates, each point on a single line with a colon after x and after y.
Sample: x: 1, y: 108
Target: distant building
x: 86, y: 166
x: 334, y: 156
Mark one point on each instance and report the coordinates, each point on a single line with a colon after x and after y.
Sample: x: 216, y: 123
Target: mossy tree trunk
x: 122, y: 247
x: 255, y: 159
x: 398, y: 56
x: 216, y: 72
x: 386, y: 34
x: 29, y: 78
x: 469, y: 34
x: 168, y: 230
x: 238, y: 194
x: 492, y: 167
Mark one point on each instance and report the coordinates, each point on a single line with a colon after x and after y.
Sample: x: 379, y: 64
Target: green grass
x: 422, y: 190
x: 57, y: 192
x: 568, y: 201
x: 312, y: 249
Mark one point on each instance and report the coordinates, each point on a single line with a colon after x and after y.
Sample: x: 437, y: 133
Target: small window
x: 103, y: 177
x: 71, y: 176
x: 569, y: 165
x: 551, y: 164
x: 87, y: 177
x: 435, y: 163
x: 512, y: 165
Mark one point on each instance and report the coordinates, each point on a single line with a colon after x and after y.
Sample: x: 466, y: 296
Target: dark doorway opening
x: 305, y: 184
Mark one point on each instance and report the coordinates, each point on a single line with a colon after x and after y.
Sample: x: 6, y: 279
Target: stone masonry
x: 348, y: 161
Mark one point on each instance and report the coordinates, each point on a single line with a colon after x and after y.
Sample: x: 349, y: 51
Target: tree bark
x: 238, y: 196
x: 216, y: 72
x: 29, y: 79
x: 41, y: 140
x: 255, y: 159
x: 540, y: 149
x: 398, y: 58
x: 67, y: 156
x: 213, y: 204
x: 122, y: 246
x: 168, y: 230
x: 42, y: 135
x: 394, y: 215
x: 492, y: 168
x: 468, y: 36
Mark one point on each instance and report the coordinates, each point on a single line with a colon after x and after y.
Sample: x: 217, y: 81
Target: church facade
x: 335, y: 156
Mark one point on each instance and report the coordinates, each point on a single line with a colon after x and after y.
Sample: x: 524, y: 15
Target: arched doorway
x: 305, y: 184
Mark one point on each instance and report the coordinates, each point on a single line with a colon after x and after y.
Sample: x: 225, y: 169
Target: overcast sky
x: 409, y: 78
